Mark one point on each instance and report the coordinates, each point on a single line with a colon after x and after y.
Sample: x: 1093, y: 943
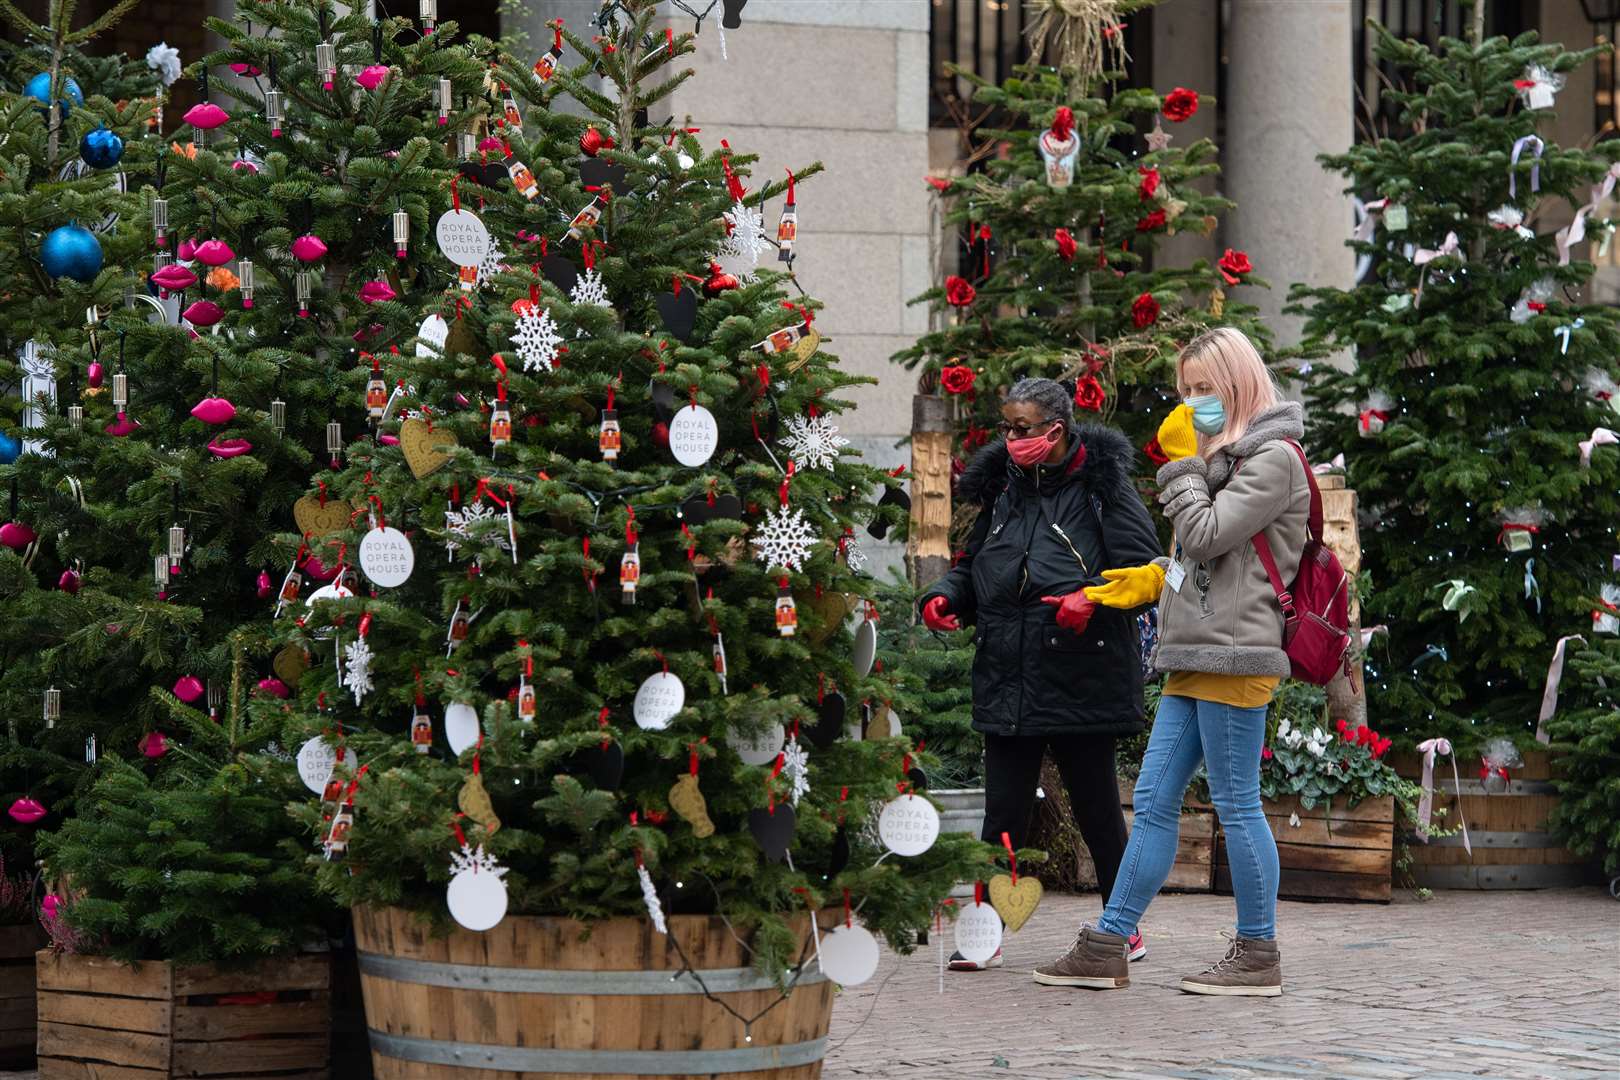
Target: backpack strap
x: 1262, y: 546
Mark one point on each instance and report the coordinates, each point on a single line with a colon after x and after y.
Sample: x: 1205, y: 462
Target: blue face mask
x: 1209, y: 415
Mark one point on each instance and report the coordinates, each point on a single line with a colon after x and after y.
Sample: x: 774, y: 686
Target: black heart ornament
x: 773, y: 830
x: 697, y: 511
x: 918, y: 778
x: 840, y: 853
x: 732, y: 19
x: 878, y: 527
x: 663, y: 400
x: 606, y: 765
x: 830, y: 720
x: 560, y: 271
x: 484, y: 174
x: 595, y: 172
x: 679, y: 312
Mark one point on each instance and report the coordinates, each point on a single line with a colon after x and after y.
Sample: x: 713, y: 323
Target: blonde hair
x: 1228, y: 360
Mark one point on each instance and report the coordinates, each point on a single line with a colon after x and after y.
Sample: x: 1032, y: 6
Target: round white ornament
x: 477, y: 899
x: 316, y: 760
x: 865, y: 647
x: 849, y: 955
x: 461, y: 726
x: 978, y: 931
x: 693, y: 435
x: 386, y: 557
x: 431, y: 336
x: 332, y: 591
x: 462, y: 237
x: 909, y: 825
x: 760, y: 748
x: 658, y: 701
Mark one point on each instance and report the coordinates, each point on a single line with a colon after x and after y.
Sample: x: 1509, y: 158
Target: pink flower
x: 1265, y: 753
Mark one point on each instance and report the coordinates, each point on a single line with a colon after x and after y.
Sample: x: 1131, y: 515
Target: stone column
x: 1289, y: 98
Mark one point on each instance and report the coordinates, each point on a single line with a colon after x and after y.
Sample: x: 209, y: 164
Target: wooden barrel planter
x: 541, y: 998
x: 103, y: 1020
x: 1334, y: 853
x: 18, y: 944
x: 1513, y: 848
x: 1195, y: 847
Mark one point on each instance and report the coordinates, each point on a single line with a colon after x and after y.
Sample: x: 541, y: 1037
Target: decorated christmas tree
x: 1585, y: 734
x: 1474, y: 420
x: 610, y: 653
x: 1060, y: 228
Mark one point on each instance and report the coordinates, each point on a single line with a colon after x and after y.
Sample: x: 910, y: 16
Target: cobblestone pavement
x: 1516, y: 985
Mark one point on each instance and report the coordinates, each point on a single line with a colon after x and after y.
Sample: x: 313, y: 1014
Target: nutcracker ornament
x: 376, y: 391
x: 500, y: 418
x: 546, y: 66
x: 787, y: 613
x: 787, y: 230
x: 609, y: 439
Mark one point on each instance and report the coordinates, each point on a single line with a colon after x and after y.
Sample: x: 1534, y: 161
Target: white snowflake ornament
x: 491, y: 265
x: 784, y: 539
x: 357, y: 661
x: 464, y: 526
x: 589, y: 289
x: 745, y: 234
x: 854, y: 556
x: 536, y: 340
x: 813, y: 442
x: 796, y: 767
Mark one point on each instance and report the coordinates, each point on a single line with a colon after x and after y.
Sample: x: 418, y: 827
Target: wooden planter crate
x: 539, y: 997
x: 17, y: 947
x: 1513, y: 848
x: 103, y: 1020
x: 1337, y: 853
x: 1195, y: 847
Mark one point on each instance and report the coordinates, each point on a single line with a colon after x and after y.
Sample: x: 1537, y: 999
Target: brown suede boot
x: 1250, y: 968
x: 1096, y: 960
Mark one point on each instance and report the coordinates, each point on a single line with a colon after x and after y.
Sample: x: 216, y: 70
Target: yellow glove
x: 1177, y: 437
x: 1130, y: 587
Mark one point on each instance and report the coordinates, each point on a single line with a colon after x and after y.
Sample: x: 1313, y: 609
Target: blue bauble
x: 71, y: 251
x: 39, y: 88
x: 101, y: 148
x: 10, y: 448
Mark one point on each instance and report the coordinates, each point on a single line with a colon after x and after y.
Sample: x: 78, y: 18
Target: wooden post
x: 928, y: 547
x: 1347, y: 699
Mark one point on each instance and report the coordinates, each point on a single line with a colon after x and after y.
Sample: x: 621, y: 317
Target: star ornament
x: 1158, y: 138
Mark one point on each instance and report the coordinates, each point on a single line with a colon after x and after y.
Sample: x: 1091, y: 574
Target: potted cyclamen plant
x: 1331, y: 800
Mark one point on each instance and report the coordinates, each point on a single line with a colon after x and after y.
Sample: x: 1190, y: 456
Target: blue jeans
x: 1228, y: 740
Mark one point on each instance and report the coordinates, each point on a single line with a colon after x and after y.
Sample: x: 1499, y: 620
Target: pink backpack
x: 1316, y: 610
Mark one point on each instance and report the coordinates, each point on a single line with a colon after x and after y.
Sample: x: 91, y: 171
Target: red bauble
x: 593, y: 141
x: 719, y: 281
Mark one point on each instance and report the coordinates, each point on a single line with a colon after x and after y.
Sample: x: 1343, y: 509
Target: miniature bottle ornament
x: 244, y: 282
x: 326, y: 64
x: 52, y: 711
x: 500, y: 419
x: 376, y: 392
x: 120, y: 391
x: 160, y: 220
x: 429, y: 13
x: 546, y: 66
x: 1059, y: 145
x: 372, y: 76
x: 160, y: 575
x: 206, y: 116
x: 75, y: 416
x: 71, y: 251
x: 278, y: 416
x: 177, y: 547
x: 275, y: 111
x: 445, y: 92
x: 787, y: 613
x: 402, y: 233
x: 787, y: 230
x: 719, y: 281
x: 101, y: 148
x: 334, y: 441
x: 302, y: 285
x: 214, y: 253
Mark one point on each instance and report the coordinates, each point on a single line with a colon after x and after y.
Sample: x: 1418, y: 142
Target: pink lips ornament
x: 94, y: 374
x: 188, y: 688
x: 266, y: 587
x: 69, y: 582
x: 154, y: 744
x: 373, y: 76
x: 16, y: 536
x: 229, y: 448
x: 214, y: 410
x: 376, y: 292
x: 308, y: 248
x: 203, y: 313
x: 121, y: 426
x: 275, y: 688
x: 246, y: 69
x: 174, y: 277
x: 26, y: 811
x: 186, y: 251
x: 388, y: 440
x: 214, y: 253
x: 317, y: 569
x: 206, y: 116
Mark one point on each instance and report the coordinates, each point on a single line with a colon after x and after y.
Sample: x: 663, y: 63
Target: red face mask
x: 1033, y: 449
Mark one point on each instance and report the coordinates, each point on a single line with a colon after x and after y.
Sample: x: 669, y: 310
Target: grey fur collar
x: 1283, y: 421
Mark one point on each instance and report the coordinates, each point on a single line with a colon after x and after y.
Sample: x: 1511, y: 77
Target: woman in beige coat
x: 1233, y: 474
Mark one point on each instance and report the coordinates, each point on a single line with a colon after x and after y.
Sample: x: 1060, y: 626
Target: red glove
x: 936, y: 617
x: 1073, y: 610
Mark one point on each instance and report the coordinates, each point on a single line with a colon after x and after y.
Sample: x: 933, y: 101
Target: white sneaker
x: 962, y: 963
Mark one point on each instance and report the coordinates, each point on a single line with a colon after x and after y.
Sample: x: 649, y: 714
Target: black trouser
x: 1012, y: 771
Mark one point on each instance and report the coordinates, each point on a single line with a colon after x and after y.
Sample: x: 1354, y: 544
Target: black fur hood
x: 1106, y: 469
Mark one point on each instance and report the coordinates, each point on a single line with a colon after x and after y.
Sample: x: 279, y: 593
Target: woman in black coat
x: 1052, y: 671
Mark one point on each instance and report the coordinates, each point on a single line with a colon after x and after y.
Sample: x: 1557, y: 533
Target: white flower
x: 164, y: 59
x: 1283, y: 728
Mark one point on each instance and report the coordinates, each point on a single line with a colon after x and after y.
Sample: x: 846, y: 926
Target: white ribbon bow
x: 1535, y: 166
x: 1426, y: 801
x: 1563, y: 332
x: 1336, y: 465
x: 1575, y: 231
x: 1456, y: 592
x: 1549, y: 693
x: 1600, y: 437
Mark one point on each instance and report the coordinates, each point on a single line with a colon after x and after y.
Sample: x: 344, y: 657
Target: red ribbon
x: 1006, y: 842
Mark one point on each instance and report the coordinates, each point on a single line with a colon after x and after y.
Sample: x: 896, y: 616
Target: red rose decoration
x: 1089, y: 394
x: 1155, y: 453
x: 1149, y: 184
x: 1180, y: 105
x: 957, y: 379
x: 976, y: 437
x: 1234, y: 264
x: 1153, y: 221
x: 938, y: 183
x: 1144, y: 311
x: 959, y: 292
x: 1065, y: 244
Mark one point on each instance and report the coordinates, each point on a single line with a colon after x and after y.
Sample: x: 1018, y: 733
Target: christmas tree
x: 1469, y: 422
x: 1585, y: 735
x: 611, y: 557
x: 1060, y: 227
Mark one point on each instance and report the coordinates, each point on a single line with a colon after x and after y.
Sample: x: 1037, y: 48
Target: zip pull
x: 1070, y: 544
